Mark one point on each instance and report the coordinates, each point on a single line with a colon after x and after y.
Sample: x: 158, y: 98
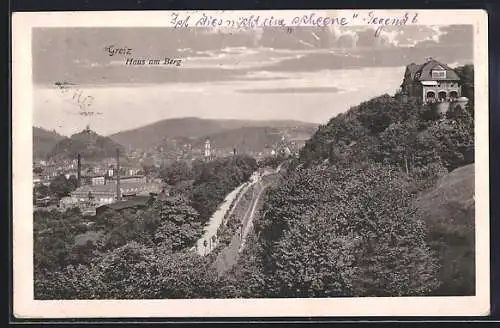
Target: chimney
x: 79, y: 170
x: 118, y: 191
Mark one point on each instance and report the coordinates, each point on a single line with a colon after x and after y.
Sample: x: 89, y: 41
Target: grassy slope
x: 449, y: 212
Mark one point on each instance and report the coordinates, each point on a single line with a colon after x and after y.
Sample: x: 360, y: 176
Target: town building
x: 68, y: 174
x: 128, y: 179
x: 37, y: 180
x: 207, y: 152
x: 134, y: 204
x: 431, y: 82
x: 95, y: 180
x: 106, y: 194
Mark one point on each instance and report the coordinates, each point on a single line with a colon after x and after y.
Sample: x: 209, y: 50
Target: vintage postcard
x: 250, y: 164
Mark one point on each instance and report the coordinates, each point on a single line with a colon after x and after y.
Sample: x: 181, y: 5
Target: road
x: 248, y: 220
x: 229, y: 256
x: 206, y: 244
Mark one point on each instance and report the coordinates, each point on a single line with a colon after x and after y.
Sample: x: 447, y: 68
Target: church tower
x: 207, y: 149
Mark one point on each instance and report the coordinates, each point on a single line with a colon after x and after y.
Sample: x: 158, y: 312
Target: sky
x: 308, y: 74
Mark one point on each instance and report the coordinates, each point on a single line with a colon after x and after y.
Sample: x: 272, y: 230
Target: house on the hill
x: 432, y: 82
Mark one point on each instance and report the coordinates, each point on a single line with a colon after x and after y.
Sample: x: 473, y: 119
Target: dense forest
x: 359, y: 213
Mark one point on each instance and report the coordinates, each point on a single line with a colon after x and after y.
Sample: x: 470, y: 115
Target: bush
x: 217, y: 179
x: 330, y: 233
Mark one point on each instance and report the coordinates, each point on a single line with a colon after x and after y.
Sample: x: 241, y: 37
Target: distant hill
x: 88, y: 143
x: 256, y: 138
x: 44, y: 141
x: 155, y: 134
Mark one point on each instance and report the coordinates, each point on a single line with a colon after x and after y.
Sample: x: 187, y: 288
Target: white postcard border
x: 22, y: 91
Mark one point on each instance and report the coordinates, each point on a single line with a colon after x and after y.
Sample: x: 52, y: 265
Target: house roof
x: 91, y: 176
x: 125, y: 177
x: 129, y: 203
x: 423, y: 72
x: 111, y: 188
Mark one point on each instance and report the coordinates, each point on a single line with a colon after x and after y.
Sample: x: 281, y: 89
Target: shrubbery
x: 217, y: 179
x: 340, y: 232
x: 344, y: 222
x: 137, y: 253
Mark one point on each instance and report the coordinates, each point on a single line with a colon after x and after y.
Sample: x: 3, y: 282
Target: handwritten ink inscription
x: 75, y: 94
x: 179, y: 20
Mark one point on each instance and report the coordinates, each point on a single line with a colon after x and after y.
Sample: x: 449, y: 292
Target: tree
x: 466, y: 75
x: 179, y: 226
x: 455, y: 137
x: 60, y: 187
x: 149, y: 169
x: 72, y: 182
x: 330, y: 232
x: 176, y: 172
x: 72, y: 282
x: 396, y: 142
x: 54, y: 234
x: 40, y: 191
x: 123, y: 227
x: 216, y: 179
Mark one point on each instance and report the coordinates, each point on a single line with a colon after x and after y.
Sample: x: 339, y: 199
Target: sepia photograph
x: 218, y: 160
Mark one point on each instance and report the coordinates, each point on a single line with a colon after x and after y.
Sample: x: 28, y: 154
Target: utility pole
x: 79, y: 170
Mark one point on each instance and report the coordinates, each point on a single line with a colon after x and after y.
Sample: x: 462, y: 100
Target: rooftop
x: 128, y: 177
x: 423, y: 72
x: 111, y: 188
x: 129, y: 203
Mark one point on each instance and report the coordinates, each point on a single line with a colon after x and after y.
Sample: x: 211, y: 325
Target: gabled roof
x: 111, y: 188
x: 423, y: 72
x: 138, y: 201
x: 412, y: 69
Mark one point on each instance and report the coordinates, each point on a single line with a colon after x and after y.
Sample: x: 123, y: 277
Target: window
x: 438, y: 74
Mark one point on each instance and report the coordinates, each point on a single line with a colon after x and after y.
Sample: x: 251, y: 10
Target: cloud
x: 78, y: 54
x: 456, y: 34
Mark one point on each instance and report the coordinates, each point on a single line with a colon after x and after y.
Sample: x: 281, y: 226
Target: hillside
x: 448, y: 210
x: 451, y: 201
x: 379, y: 203
x: 88, y: 143
x: 153, y: 135
x: 255, y: 138
x: 44, y: 141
